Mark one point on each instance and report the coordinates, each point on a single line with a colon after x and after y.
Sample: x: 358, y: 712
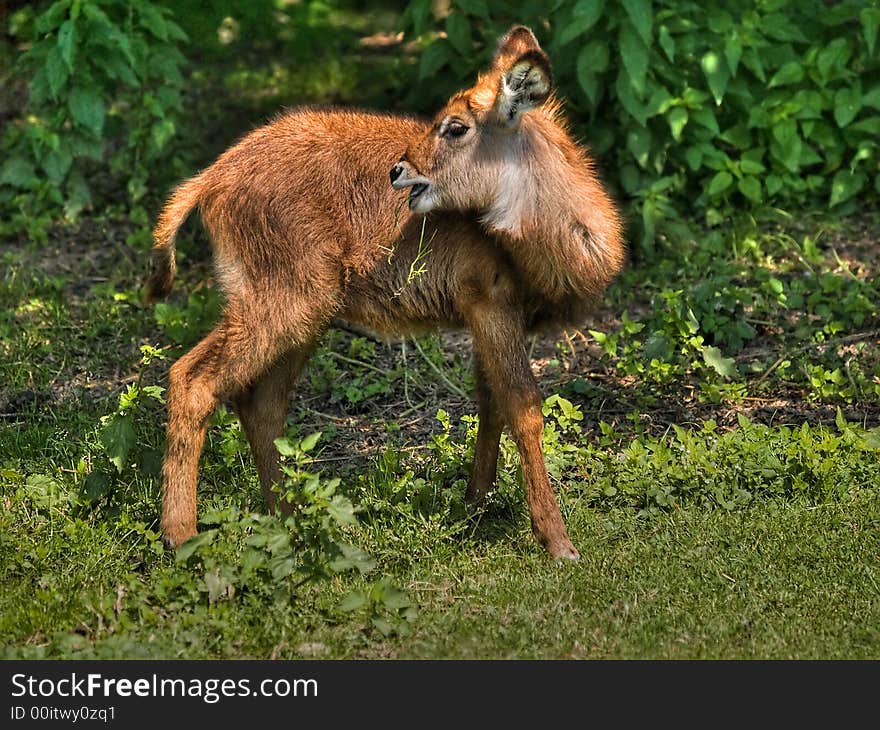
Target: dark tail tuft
x: 182, y: 201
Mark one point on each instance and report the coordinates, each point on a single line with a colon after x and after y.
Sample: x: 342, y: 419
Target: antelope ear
x: 525, y: 77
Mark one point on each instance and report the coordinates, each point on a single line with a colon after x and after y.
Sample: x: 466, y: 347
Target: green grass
x: 778, y: 580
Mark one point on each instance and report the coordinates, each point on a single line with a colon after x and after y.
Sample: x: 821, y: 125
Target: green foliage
x: 792, y: 291
x: 104, y: 83
x: 697, y: 106
x: 274, y: 556
x: 728, y: 470
x: 187, y: 324
x: 350, y: 378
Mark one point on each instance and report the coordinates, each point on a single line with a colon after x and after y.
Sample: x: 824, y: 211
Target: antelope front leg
x: 485, y: 466
x: 499, y: 340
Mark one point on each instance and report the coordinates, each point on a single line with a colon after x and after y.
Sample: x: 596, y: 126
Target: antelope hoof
x: 475, y: 497
x: 560, y: 548
x: 175, y: 536
x: 564, y: 551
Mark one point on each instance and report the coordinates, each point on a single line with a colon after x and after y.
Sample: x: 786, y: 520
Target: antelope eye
x: 455, y: 129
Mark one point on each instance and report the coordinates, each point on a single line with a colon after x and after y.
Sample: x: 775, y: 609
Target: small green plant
x: 122, y: 435
x: 277, y: 555
x: 389, y: 609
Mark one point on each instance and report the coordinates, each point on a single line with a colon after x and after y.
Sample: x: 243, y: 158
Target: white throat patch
x: 513, y: 196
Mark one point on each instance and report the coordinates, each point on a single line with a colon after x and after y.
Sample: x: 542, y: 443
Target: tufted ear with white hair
x: 525, y: 79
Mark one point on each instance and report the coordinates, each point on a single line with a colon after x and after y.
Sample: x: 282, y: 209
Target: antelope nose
x: 396, y: 172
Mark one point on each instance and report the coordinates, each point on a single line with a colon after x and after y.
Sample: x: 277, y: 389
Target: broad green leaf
x: 353, y: 557
x: 705, y: 117
x: 752, y: 61
x: 175, y: 32
x: 677, y: 119
x: 719, y: 21
x: 458, y: 31
x: 87, y: 108
x: 716, y: 74
x: 785, y: 131
x: 811, y: 103
x: 342, y: 510
x: 751, y: 188
x: 153, y: 20
x: 393, y: 598
x: 591, y: 61
x: 593, y: 57
x: 660, y: 102
x: 870, y: 19
x: 641, y: 14
x: 667, y: 43
x: 628, y: 100
x: 56, y: 164
x: 17, y: 172
x: 870, y: 126
x: 872, y: 98
x: 161, y: 133
x: 845, y: 185
x: 584, y: 16
x: 791, y: 73
x: 834, y: 55
x: 635, y: 57
x: 420, y: 11
x: 751, y: 167
x: 782, y: 28
x: 719, y: 183
x: 309, y: 442
x: 194, y: 543
x: 638, y: 141
x: 694, y: 157
x: 97, y: 484
x: 847, y: 104
x: 658, y: 347
x: 789, y: 152
x: 352, y: 602
x: 285, y: 448
x: 808, y: 156
x: 281, y: 566
x: 56, y: 70
x: 50, y: 19
x: 590, y: 84
x: 774, y: 184
x: 251, y: 559
x: 67, y: 42
x: 732, y: 54
x: 724, y: 366
x: 738, y: 135
x: 117, y: 67
x: 118, y: 438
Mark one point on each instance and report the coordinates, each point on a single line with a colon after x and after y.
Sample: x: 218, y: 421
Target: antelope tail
x: 184, y: 198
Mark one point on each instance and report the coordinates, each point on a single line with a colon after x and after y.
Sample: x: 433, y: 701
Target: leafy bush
x: 103, y: 93
x: 718, y: 105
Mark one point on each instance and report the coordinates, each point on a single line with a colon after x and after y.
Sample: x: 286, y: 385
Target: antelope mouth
x: 416, y: 190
